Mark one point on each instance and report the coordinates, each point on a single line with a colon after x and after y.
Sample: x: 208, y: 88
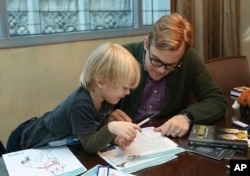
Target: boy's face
x: 160, y: 62
x: 112, y: 94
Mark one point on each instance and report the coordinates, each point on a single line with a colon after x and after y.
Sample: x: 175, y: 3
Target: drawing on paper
x: 44, y: 160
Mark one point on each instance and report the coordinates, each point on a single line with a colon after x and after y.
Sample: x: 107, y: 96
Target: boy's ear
x: 99, y: 82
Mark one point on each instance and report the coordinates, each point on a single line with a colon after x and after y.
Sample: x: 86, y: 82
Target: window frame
x: 9, y: 42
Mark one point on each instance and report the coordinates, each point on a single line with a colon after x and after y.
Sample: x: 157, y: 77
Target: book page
x: 149, y: 148
x: 43, y: 162
x: 149, y: 142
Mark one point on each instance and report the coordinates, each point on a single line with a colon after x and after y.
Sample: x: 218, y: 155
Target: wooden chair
x: 229, y: 72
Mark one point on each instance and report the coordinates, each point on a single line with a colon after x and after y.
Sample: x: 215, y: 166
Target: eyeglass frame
x: 172, y: 68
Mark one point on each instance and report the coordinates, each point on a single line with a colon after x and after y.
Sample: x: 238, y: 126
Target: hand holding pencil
x: 147, y: 119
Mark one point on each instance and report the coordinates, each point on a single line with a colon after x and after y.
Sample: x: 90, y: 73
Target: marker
x: 147, y: 119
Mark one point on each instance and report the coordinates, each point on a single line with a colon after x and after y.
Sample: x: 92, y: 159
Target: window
x: 31, y: 22
x: 1, y: 32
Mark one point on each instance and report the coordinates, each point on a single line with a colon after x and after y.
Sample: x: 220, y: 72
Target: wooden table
x: 187, y: 164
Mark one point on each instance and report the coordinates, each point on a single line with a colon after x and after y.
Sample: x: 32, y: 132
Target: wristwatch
x: 188, y: 117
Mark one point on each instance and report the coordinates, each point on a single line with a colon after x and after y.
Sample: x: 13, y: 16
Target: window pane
x: 35, y: 22
x: 154, y: 9
x: 108, y: 14
x: 60, y: 16
x: 1, y: 31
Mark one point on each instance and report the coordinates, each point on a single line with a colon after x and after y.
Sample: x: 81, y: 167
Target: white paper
x: 112, y: 172
x: 43, y: 162
x: 148, y: 149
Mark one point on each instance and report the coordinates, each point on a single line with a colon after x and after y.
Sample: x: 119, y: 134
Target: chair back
x: 229, y: 72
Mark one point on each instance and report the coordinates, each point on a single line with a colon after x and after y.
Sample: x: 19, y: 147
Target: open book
x: 43, y: 162
x: 148, y: 149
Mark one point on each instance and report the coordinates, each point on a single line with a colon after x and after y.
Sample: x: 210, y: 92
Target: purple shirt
x: 152, y: 100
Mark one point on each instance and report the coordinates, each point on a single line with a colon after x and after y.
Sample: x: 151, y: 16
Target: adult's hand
x: 177, y: 126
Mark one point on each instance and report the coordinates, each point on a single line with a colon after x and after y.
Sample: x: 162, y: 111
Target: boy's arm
x: 92, y: 143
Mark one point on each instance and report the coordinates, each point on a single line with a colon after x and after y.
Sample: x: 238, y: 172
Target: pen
x: 147, y: 119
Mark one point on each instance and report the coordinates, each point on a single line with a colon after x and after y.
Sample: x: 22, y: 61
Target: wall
x: 35, y: 79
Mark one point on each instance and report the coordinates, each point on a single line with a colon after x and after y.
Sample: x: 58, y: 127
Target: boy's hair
x: 112, y: 63
x: 170, y: 31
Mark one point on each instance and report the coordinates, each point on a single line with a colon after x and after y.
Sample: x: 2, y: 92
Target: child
x: 108, y: 75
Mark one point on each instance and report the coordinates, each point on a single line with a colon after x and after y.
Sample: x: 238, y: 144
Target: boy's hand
x: 123, y: 129
x: 121, y: 142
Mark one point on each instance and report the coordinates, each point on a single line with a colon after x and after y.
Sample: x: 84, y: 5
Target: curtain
x: 216, y: 26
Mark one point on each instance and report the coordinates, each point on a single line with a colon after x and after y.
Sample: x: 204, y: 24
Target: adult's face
x: 161, y: 62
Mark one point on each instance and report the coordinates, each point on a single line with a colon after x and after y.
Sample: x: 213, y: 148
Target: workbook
x: 149, y: 148
x: 49, y: 161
